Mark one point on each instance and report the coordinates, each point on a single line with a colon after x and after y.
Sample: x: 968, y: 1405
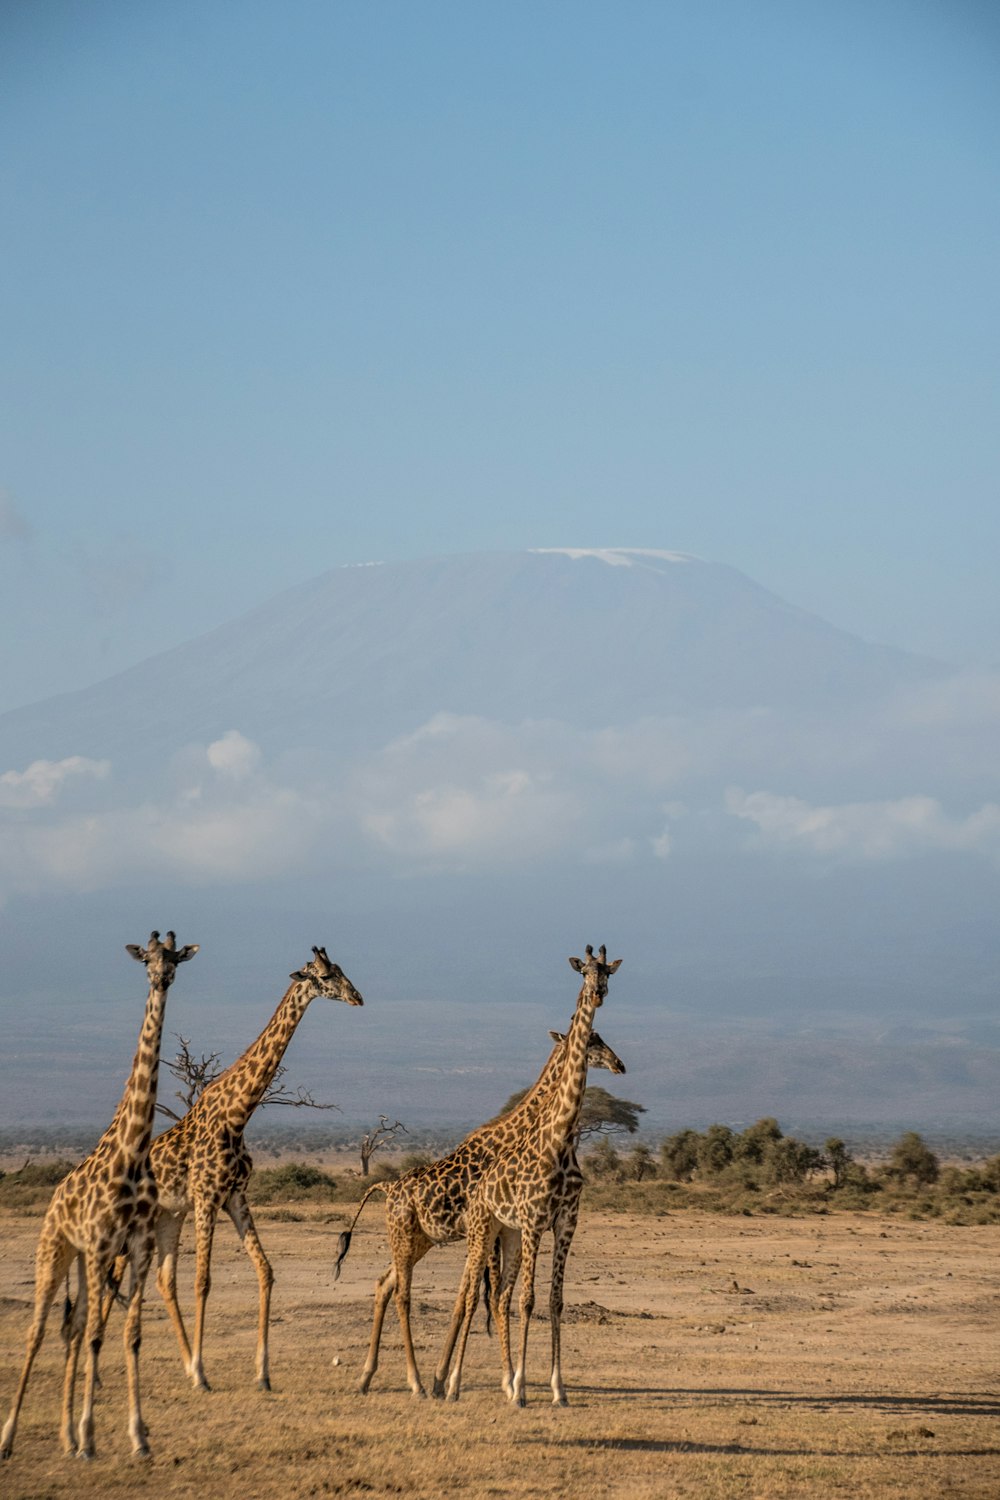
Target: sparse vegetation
x: 294, y: 1182
x: 30, y: 1187
x: 762, y: 1171
x: 759, y: 1170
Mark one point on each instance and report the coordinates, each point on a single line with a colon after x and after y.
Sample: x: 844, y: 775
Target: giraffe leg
x: 408, y: 1245
x: 481, y: 1231
x: 510, y: 1242
x: 73, y: 1331
x: 168, y: 1235
x: 52, y: 1260
x: 384, y: 1288
x: 563, y: 1230
x: 205, y: 1213
x: 96, y: 1269
x: 457, y: 1317
x: 404, y: 1281
x: 529, y: 1251
x: 239, y: 1211
x: 141, y: 1255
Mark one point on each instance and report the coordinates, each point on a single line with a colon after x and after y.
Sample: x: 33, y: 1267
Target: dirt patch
x: 862, y: 1363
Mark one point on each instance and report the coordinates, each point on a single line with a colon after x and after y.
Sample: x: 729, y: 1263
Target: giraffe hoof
x: 438, y: 1390
x: 264, y: 1385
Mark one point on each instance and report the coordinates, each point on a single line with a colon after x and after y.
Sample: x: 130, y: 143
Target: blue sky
x: 291, y: 286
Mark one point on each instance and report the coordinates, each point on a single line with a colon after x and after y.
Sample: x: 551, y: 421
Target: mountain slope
x: 362, y: 654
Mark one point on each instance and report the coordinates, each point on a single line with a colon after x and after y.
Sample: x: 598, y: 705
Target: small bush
x: 604, y: 1164
x: 913, y: 1161
x: 716, y: 1149
x: 679, y: 1155
x: 32, y: 1185
x: 295, y: 1182
x: 639, y: 1165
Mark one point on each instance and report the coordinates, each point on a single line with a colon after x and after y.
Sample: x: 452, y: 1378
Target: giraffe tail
x: 344, y: 1240
x: 67, y: 1317
x: 487, y: 1297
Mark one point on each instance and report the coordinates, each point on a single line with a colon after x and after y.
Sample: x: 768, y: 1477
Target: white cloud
x: 234, y: 755
x: 662, y: 844
x: 508, y: 813
x: 234, y: 824
x: 463, y: 788
x: 41, y: 783
x: 868, y: 830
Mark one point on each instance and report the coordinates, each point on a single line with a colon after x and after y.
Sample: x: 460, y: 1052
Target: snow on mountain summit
x: 619, y: 557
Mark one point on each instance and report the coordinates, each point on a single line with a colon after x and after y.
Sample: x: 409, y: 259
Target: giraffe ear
x: 558, y: 1036
x: 298, y: 974
x: 183, y: 954
x: 577, y: 964
x: 137, y: 953
x: 613, y: 968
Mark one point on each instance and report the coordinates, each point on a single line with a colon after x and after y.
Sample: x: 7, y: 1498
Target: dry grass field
x: 705, y: 1357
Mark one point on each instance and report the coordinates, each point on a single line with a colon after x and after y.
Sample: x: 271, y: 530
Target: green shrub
x: 33, y: 1183
x: 757, y: 1141
x: 716, y: 1149
x: 295, y: 1182
x: 679, y: 1155
x: 603, y: 1163
x: 913, y: 1161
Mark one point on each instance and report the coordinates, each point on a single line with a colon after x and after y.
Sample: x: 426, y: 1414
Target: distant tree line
x: 762, y: 1156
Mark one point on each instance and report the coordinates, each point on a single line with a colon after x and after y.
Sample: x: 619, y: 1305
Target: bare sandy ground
x: 704, y: 1357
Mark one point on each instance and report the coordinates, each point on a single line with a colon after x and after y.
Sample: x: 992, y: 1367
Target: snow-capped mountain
x: 362, y: 654
x: 458, y: 771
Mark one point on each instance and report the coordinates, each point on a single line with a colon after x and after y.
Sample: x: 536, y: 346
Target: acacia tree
x: 194, y: 1074
x: 602, y: 1113
x: 605, y: 1114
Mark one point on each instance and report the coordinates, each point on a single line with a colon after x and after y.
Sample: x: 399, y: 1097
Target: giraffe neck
x: 131, y: 1129
x: 542, y: 1088
x: 244, y: 1084
x: 528, y: 1106
x: 561, y: 1114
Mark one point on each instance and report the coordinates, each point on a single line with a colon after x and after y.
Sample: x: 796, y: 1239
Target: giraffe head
x: 596, y: 972
x: 599, y: 1054
x: 326, y: 978
x: 161, y: 959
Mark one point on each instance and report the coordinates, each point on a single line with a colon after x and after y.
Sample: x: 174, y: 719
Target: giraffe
x: 426, y: 1206
x: 522, y: 1193
x: 106, y: 1201
x: 202, y: 1163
